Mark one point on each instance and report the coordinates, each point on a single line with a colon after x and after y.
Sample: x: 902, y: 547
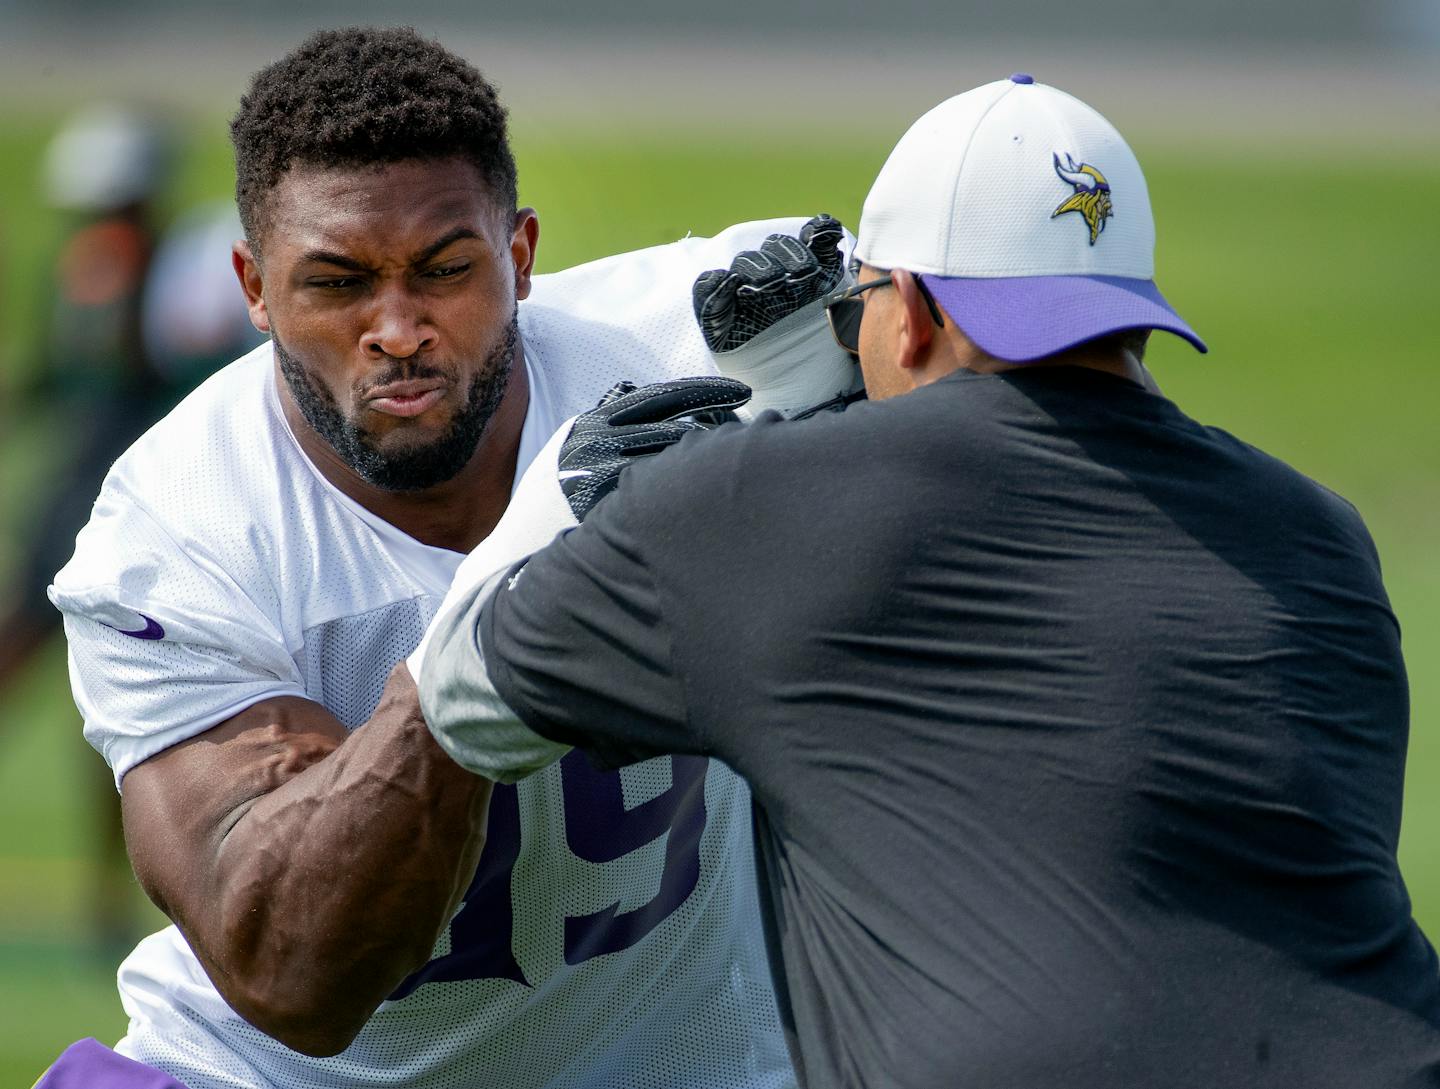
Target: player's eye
x: 447, y: 272
x: 335, y: 283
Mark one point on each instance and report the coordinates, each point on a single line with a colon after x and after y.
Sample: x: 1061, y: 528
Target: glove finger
x: 822, y: 236
x: 596, y: 449
x: 713, y: 297
x: 584, y: 491
x: 652, y: 438
x: 681, y: 397
x: 756, y: 270
x: 805, y: 280
x: 712, y: 419
x: 615, y: 392
x: 784, y: 275
x: 766, y: 294
x: 792, y: 255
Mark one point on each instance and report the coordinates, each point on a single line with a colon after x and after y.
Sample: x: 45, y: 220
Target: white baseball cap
x: 1026, y: 215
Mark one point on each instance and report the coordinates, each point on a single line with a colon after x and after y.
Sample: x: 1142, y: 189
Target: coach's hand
x: 764, y: 320
x: 630, y: 423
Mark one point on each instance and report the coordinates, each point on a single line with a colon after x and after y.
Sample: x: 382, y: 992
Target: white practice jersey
x: 611, y: 936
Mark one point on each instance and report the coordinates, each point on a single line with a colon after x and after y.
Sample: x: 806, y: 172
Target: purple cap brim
x: 1022, y: 318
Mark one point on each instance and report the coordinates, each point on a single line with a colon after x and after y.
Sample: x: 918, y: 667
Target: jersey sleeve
x: 163, y: 643
x: 632, y: 315
x: 569, y: 648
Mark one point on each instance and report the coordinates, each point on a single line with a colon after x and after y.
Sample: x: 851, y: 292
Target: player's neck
x: 1122, y: 364
x: 461, y: 512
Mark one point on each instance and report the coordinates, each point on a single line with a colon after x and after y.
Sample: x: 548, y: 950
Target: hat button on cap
x: 1022, y: 77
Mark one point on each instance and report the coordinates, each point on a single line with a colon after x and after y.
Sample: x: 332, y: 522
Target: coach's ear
x: 252, y: 283
x: 917, y: 329
x: 522, y: 249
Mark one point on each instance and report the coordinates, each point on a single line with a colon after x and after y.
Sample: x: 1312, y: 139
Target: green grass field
x: 1310, y: 280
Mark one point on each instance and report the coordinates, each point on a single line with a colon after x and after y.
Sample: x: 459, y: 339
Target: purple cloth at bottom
x: 89, y: 1064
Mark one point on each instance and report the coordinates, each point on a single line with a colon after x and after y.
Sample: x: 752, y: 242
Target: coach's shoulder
x: 749, y: 464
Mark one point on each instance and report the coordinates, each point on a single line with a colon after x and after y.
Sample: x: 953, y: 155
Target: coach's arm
x: 310, y: 869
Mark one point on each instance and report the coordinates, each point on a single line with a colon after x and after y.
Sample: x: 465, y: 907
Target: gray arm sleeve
x: 462, y: 708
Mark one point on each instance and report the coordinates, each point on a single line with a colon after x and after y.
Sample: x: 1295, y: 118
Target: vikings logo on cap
x: 1091, y: 197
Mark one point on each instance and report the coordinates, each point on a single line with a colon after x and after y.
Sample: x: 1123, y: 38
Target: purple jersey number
x: 598, y: 828
x: 480, y: 932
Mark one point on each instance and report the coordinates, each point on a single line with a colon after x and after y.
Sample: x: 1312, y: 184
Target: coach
x: 1076, y: 729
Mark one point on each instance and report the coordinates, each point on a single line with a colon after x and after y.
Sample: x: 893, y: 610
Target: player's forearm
x: 334, y: 886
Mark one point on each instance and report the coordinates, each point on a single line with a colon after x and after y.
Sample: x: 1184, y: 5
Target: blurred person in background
x: 194, y: 319
x: 137, y: 317
x: 103, y: 170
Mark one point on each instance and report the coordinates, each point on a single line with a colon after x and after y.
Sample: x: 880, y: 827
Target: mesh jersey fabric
x: 633, y: 955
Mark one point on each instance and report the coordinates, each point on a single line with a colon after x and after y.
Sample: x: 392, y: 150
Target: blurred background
x: 1293, y: 155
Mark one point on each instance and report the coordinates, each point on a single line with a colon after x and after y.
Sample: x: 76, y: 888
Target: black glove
x: 762, y: 286
x: 632, y: 423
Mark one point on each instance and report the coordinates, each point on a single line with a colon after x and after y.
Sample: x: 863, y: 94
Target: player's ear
x: 247, y: 268
x: 522, y: 249
x: 917, y: 328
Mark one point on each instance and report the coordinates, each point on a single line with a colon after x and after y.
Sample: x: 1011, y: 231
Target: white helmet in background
x: 106, y: 157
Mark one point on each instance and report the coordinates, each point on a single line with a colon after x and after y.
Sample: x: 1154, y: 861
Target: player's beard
x: 416, y: 467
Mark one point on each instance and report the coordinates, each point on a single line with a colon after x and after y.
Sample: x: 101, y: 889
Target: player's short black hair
x: 362, y: 96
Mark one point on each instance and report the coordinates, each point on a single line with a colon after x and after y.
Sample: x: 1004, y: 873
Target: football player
x: 350, y: 906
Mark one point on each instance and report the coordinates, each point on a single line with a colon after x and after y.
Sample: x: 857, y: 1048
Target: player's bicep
x: 180, y: 804
x: 139, y: 697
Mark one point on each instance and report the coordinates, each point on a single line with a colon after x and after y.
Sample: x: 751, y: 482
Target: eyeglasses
x: 845, y: 310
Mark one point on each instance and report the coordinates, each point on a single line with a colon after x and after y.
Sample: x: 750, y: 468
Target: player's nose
x: 398, y: 326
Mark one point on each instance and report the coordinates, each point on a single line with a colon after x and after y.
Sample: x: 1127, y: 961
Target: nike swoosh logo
x: 571, y: 474
x: 151, y: 630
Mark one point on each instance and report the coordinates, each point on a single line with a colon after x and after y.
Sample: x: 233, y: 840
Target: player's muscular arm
x: 310, y: 870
